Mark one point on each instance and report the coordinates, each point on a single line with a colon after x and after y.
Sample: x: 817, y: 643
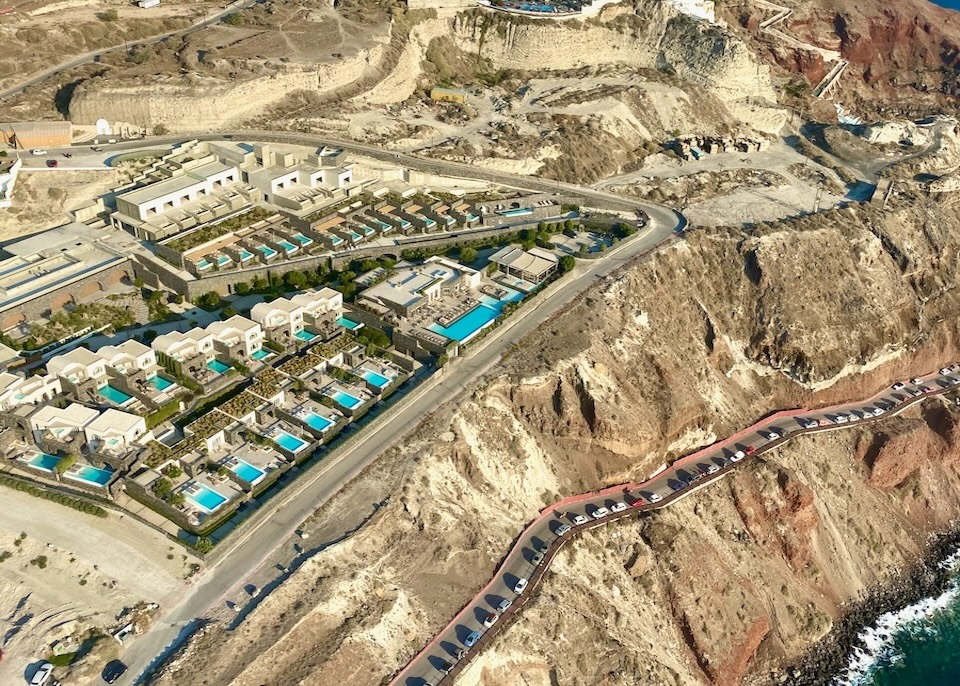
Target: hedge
x: 59, y: 498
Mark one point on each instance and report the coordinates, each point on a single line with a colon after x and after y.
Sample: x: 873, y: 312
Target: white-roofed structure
x: 16, y: 389
x: 63, y: 423
x: 412, y: 287
x: 114, y: 431
x: 534, y: 265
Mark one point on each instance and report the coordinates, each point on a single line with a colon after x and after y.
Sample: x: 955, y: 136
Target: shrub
x: 162, y: 487
x: 69, y: 501
x: 65, y: 463
x: 203, y: 545
x: 173, y: 471
x: 241, y: 288
x: 40, y: 561
x: 228, y: 312
x: 468, y: 255
x: 567, y: 262
x: 209, y: 301
x: 108, y: 15
x: 234, y: 19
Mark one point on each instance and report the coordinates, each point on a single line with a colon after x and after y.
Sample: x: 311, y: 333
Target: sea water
x: 949, y: 4
x: 916, y: 646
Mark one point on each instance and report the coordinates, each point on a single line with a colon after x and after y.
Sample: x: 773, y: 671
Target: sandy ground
x: 42, y: 199
x: 94, y: 568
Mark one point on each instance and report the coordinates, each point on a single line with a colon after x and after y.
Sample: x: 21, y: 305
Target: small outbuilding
x: 457, y: 95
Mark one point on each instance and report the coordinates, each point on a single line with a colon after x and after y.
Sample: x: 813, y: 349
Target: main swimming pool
x: 289, y: 442
x: 205, y: 498
x: 246, y: 471
x: 345, y: 399
x: 378, y: 380
x: 115, y: 395
x: 89, y: 475
x: 317, y: 421
x: 471, y: 323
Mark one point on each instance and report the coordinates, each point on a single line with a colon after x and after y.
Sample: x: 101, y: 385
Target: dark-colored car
x: 52, y: 163
x: 113, y: 671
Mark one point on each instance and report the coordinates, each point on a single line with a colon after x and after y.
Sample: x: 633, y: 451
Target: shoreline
x: 827, y: 659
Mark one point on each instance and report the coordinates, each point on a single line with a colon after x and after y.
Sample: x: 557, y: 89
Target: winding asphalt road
x: 275, y: 526
x: 501, y: 599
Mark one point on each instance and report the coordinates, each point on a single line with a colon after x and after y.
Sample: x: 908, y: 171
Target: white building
x: 320, y: 304
x: 241, y: 336
x: 78, y: 366
x: 408, y: 289
x: 16, y: 389
x: 291, y: 315
x: 62, y: 424
x: 184, y: 346
x: 169, y: 194
x: 129, y: 357
x: 114, y: 431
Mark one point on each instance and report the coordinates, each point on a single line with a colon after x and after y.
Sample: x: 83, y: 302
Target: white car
x: 562, y: 529
x: 737, y: 456
x: 42, y: 675
x: 841, y: 419
x: 945, y: 371
x: 37, y: 152
x: 713, y: 469
x: 774, y: 435
x: 490, y: 619
x: 600, y: 513
x: 579, y: 519
x: 655, y: 498
x: 916, y: 380
x: 618, y: 507
x: 897, y: 386
x: 877, y: 411
x: 520, y: 586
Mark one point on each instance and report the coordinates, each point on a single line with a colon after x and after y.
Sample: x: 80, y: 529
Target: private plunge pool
x: 218, y: 366
x: 115, y: 395
x: 204, y: 498
x: 41, y: 461
x: 345, y: 399
x: 246, y: 471
x: 378, y: 380
x: 317, y: 422
x: 93, y: 476
x: 289, y: 441
x: 159, y: 383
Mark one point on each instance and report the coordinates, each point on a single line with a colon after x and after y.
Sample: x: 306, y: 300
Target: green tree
x: 228, y: 312
x: 203, y: 545
x: 567, y: 262
x: 295, y: 279
x: 65, y: 463
x: 241, y: 288
x: 177, y: 499
x: 209, y: 301
x: 162, y: 487
x: 374, y: 336
x: 173, y: 471
x: 468, y: 255
x: 233, y: 19
x: 276, y: 280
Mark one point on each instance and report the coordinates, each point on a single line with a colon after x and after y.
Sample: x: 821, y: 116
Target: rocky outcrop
x: 191, y: 102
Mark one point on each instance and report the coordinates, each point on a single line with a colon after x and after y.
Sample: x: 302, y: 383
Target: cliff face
x: 667, y: 356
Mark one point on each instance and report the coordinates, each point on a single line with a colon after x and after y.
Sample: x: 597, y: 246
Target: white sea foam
x: 877, y: 645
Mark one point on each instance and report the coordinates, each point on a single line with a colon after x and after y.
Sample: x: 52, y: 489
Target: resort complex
x: 273, y: 297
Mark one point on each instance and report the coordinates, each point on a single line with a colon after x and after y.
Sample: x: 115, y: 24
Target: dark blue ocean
x: 949, y: 4
x: 917, y: 646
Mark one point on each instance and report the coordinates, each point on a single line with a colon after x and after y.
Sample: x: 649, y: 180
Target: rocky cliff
x: 666, y: 356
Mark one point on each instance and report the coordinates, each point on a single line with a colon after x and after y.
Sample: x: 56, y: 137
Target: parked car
x: 926, y: 389
x: 113, y: 671
x: 471, y: 639
x: 712, y: 469
x: 503, y: 605
x: 841, y: 419
x: 618, y: 507
x: 655, y: 497
x: 916, y: 380
x: 490, y: 619
x: 520, y: 586
x: 42, y: 675
x: 579, y: 519
x: 749, y: 450
x: 899, y: 386
x: 536, y: 559
x: 600, y: 513
x: 774, y: 435
x: 37, y: 152
x: 52, y: 163
x: 945, y: 371
x: 737, y: 456
x: 562, y: 529
x: 542, y: 547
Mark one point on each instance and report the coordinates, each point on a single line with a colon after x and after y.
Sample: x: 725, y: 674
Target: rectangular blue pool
x: 261, y: 354
x: 267, y: 250
x: 305, y: 335
x: 115, y: 395
x: 349, y: 323
x: 468, y: 325
x: 159, y: 383
x: 223, y: 260
x: 90, y: 475
x: 378, y: 380
x: 289, y: 442
x: 345, y: 399
x: 247, y: 472
x: 287, y: 246
x: 245, y: 255
x: 302, y: 240
x: 218, y: 366
x: 203, y: 265
x: 317, y: 422
x: 205, y: 498
x: 42, y: 461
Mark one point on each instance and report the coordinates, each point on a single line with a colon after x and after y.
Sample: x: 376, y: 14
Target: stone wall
x: 57, y: 299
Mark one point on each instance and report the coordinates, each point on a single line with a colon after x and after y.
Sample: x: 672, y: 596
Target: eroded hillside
x: 667, y: 356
